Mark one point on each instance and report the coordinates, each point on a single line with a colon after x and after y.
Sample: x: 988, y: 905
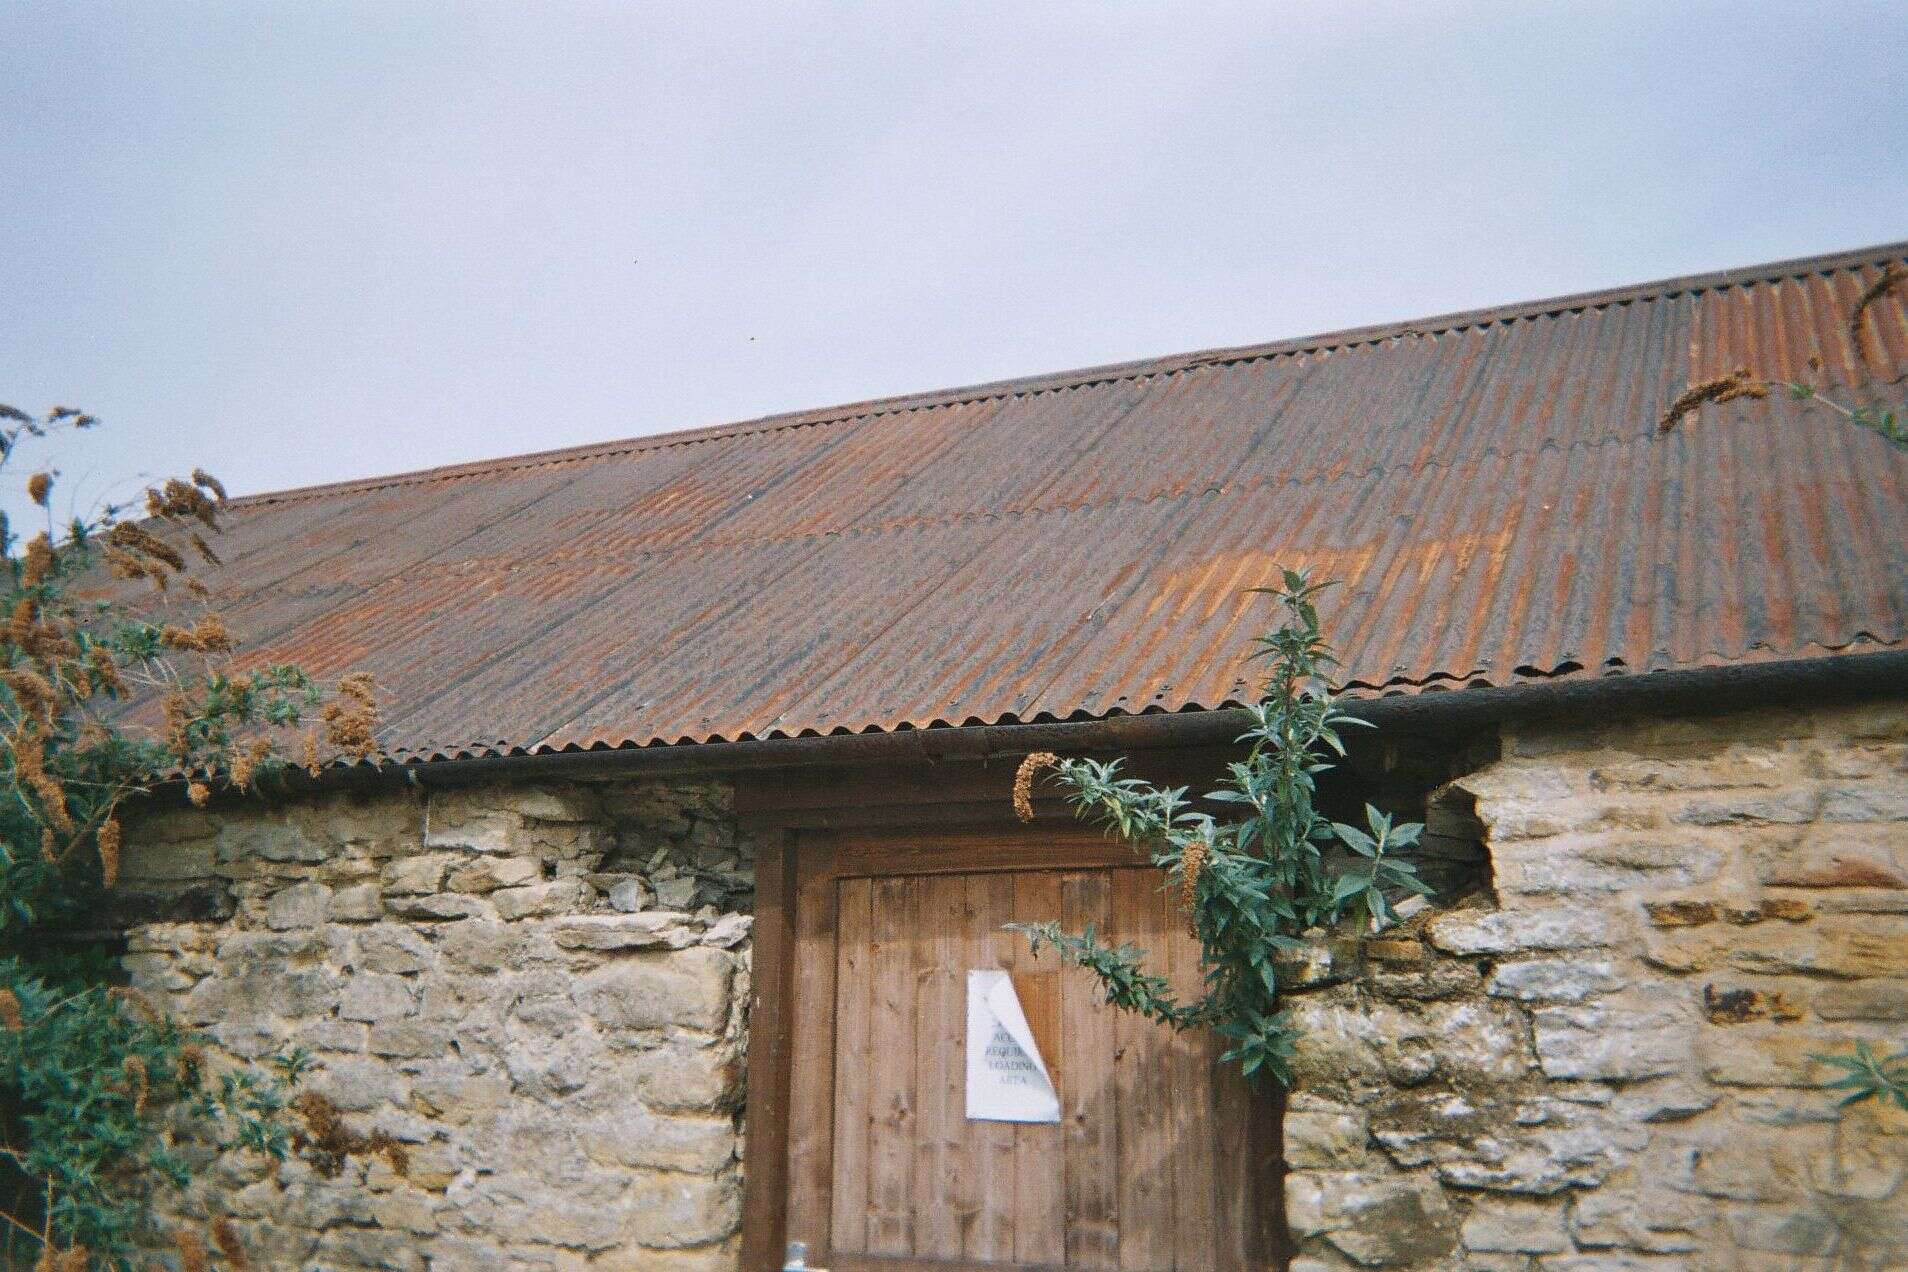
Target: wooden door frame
x: 796, y: 876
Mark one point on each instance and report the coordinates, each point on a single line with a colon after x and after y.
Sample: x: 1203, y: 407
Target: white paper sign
x: 1007, y: 1081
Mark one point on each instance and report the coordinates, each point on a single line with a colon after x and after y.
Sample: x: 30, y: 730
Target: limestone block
x: 1436, y: 981
x: 271, y: 839
x: 720, y: 1256
x: 1650, y: 1220
x: 374, y: 997
x: 439, y: 906
x: 1519, y: 931
x: 1865, y: 1000
x: 1571, y: 865
x: 418, y: 873
x: 392, y: 947
x: 359, y: 1084
x: 729, y: 931
x: 1377, y: 1219
x: 487, y: 874
x: 559, y: 896
x: 1516, y: 1227
x: 407, y: 1210
x: 697, y: 1145
x: 1323, y: 1135
x: 673, y: 1210
x: 650, y: 929
x: 302, y: 905
x: 1872, y: 946
x: 629, y: 895
x: 682, y: 1075
x: 1837, y: 856
x: 360, y: 903
x: 1611, y: 1043
x: 1738, y: 1004
x: 1883, y: 800
x: 1766, y: 1056
x: 1570, y: 979
x: 370, y: 1248
x: 1787, y: 807
x: 688, y: 987
x: 1782, y: 1231
x: 169, y: 860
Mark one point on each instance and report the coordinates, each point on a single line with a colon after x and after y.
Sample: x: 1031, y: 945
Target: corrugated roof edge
x: 1440, y: 685
x: 1436, y: 325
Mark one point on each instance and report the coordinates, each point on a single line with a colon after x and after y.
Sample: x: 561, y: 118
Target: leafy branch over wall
x: 97, y: 613
x: 1251, y: 883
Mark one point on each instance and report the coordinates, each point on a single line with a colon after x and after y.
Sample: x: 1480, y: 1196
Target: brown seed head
x: 1719, y: 389
x: 37, y: 561
x: 137, y: 1081
x: 10, y: 1015
x: 38, y: 487
x: 1024, y: 776
x: 193, y: 1256
x: 206, y: 481
x: 226, y: 1238
x: 1191, y: 865
x: 1892, y: 276
x: 138, y: 1002
x: 199, y: 793
x: 109, y: 841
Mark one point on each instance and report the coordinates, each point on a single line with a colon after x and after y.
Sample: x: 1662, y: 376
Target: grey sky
x: 299, y: 242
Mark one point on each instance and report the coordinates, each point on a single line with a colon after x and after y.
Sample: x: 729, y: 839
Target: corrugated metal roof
x: 1491, y: 488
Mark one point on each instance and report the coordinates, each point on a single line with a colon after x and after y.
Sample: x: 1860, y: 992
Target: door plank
x: 766, y: 1187
x: 940, y: 1048
x: 1189, y: 1129
x: 811, y: 1158
x: 991, y: 1237
x: 848, y: 1231
x: 890, y: 1062
x: 1140, y: 1047
x: 1039, y: 1168
x: 1087, y: 1095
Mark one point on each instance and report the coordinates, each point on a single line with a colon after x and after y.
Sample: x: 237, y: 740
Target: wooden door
x: 1162, y: 1159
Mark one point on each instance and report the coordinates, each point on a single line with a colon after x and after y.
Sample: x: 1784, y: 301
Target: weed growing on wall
x: 1251, y: 882
x: 1888, y: 423
x: 97, y: 612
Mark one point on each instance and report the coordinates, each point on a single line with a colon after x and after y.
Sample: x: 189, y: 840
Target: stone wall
x: 535, y: 990
x: 1605, y: 1062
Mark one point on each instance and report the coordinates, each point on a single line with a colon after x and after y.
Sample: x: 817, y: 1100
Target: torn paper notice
x: 1007, y: 1081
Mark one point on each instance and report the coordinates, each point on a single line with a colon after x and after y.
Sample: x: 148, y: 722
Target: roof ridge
x: 1138, y: 369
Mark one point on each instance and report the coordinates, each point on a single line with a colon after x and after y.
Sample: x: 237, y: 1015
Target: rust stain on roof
x: 1490, y: 488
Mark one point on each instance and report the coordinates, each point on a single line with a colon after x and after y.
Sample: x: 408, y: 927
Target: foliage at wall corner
x: 1252, y: 882
x: 94, y: 1078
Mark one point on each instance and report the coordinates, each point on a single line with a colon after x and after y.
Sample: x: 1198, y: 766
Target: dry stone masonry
x: 536, y: 990
x: 1607, y: 1066
x: 1601, y: 1060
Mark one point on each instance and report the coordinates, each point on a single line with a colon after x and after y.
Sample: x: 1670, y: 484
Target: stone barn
x: 657, y: 934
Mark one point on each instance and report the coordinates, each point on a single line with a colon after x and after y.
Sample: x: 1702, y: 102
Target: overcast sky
x: 298, y: 242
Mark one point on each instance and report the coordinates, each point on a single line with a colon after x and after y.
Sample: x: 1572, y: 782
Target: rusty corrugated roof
x: 1491, y: 488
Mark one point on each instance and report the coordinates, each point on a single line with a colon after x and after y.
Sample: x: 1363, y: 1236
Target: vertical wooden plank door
x: 1160, y: 1160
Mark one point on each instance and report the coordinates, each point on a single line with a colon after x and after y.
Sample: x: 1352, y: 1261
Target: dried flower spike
x: 110, y: 834
x: 10, y: 1011
x: 39, y: 485
x: 193, y: 1256
x: 199, y: 793
x: 1191, y: 864
x: 1719, y: 389
x: 1029, y: 769
x: 1892, y: 276
x: 225, y: 1237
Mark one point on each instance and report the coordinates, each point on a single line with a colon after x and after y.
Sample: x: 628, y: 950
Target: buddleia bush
x: 1250, y: 881
x: 117, y: 678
